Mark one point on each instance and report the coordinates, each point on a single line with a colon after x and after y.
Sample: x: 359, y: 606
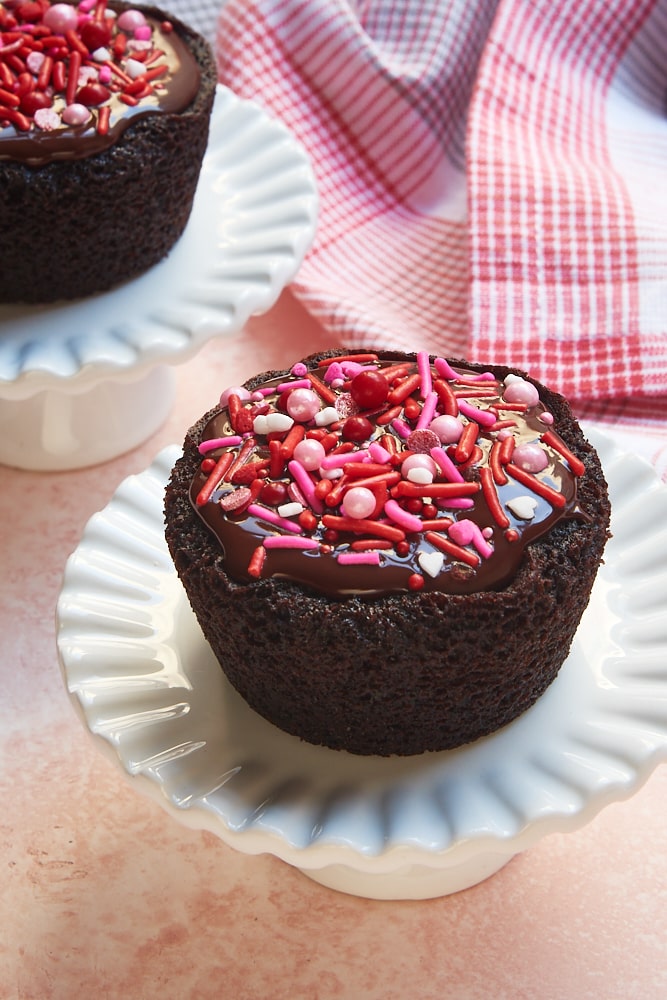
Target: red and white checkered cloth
x: 493, y: 181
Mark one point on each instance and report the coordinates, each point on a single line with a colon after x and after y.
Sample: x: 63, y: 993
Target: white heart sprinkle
x: 431, y: 562
x: 523, y: 507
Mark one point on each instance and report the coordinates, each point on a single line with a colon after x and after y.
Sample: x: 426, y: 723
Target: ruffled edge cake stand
x: 84, y: 381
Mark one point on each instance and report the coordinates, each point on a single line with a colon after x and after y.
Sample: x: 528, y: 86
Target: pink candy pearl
x: 310, y: 453
x: 60, y: 18
x: 530, y: 457
x: 76, y: 114
x: 447, y: 428
x: 358, y: 502
x: 130, y: 20
x: 302, y: 404
x: 234, y: 390
x: 520, y: 391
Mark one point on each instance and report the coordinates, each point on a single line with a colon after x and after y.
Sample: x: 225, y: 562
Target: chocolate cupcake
x: 104, y: 118
x: 388, y: 553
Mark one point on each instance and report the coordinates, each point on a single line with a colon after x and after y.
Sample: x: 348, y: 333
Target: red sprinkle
x: 552, y: 439
x: 538, y: 486
x: 491, y: 497
x: 256, y: 563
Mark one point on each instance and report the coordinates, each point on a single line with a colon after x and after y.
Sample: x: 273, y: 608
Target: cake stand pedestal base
x: 73, y: 427
x: 410, y: 881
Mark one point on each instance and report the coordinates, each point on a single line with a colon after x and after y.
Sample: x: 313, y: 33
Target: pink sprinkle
x: 456, y: 503
x: 449, y: 470
x: 378, y: 453
x: 86, y: 5
x: 480, y: 377
x: 105, y: 74
x: 466, y: 531
x: 34, y: 61
x: 334, y: 372
x: 343, y: 457
x: 143, y: 33
x: 483, y: 417
x: 301, y: 383
x: 401, y: 428
x: 358, y: 558
x: 424, y: 369
x: 444, y: 369
x: 299, y: 369
x: 401, y: 517
x: 214, y: 443
x: 257, y: 510
x: 306, y: 484
x: 428, y: 410
x: 546, y: 418
x: 47, y: 119
x: 283, y: 542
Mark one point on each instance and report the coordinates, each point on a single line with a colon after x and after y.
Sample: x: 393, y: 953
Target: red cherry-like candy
x: 273, y: 494
x: 369, y: 389
x: 36, y: 100
x: 92, y: 94
x: 357, y: 428
x: 94, y: 35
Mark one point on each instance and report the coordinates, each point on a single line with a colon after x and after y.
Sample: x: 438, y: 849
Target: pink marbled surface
x: 106, y: 896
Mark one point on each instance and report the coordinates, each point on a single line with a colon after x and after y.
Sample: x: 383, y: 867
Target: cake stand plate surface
x: 150, y: 692
x: 253, y: 218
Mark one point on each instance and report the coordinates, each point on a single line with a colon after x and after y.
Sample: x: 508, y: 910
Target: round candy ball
x: 530, y: 457
x: 310, y: 453
x: 60, y: 18
x: 518, y: 390
x: 302, y: 404
x: 369, y: 389
x: 358, y: 502
x: 448, y: 429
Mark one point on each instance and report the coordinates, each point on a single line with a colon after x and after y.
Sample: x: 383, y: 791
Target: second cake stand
x: 84, y: 381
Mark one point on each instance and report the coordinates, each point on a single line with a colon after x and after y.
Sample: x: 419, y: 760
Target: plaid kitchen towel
x: 492, y: 176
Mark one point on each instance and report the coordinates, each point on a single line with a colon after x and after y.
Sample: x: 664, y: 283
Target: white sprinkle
x: 431, y: 562
x: 523, y: 507
x: 134, y: 68
x: 421, y: 476
x: 290, y: 509
x: 329, y: 415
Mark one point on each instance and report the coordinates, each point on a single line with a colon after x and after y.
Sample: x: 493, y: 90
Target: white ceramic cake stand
x: 84, y: 381
x: 154, y: 699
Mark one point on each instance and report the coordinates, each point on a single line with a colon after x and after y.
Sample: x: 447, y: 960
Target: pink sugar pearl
x: 520, y: 391
x: 234, y: 390
x: 447, y: 428
x: 60, y: 18
x: 130, y: 20
x: 359, y: 502
x: 530, y: 457
x: 302, y: 404
x: 310, y: 453
x: 76, y: 114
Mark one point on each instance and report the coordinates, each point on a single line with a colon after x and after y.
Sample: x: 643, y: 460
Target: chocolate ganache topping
x: 73, y: 77
x: 365, y: 475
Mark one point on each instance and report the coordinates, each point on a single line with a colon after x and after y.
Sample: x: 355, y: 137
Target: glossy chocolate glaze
x: 240, y: 535
x: 172, y: 92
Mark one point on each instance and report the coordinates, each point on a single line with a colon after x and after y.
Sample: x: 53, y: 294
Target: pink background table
x: 106, y: 896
